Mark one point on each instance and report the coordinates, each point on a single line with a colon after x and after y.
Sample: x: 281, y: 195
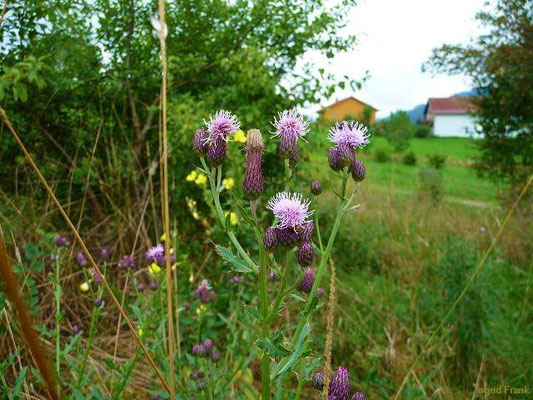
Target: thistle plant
x: 289, y: 242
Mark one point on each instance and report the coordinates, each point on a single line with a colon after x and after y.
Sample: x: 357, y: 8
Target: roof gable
x: 351, y: 98
x: 449, y: 105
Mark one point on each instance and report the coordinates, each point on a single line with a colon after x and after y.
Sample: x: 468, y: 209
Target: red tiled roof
x: 449, y: 105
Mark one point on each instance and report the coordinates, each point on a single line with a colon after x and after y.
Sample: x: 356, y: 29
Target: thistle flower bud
x: 319, y: 292
x: 306, y: 254
x: 306, y: 231
x: 316, y: 187
x: 273, y: 277
x: 358, y: 396
x: 287, y: 237
x: 335, y: 159
x: 253, y: 182
x: 215, y: 356
x: 199, y: 143
x: 60, y: 240
x: 98, y: 302
x: 208, y: 346
x: 127, y: 262
x: 75, y: 329
x: 358, y: 171
x: 200, y: 374
x: 270, y: 240
x: 347, y: 154
x: 307, y: 282
x: 104, y: 254
x: 318, y: 380
x: 339, y: 385
x: 97, y: 278
x: 216, y: 152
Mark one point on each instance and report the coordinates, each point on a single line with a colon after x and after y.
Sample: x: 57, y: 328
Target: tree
x: 398, y: 130
x: 73, y: 69
x: 500, y: 63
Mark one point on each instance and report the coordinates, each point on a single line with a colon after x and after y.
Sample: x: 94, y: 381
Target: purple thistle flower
x: 253, y: 182
x: 76, y: 329
x: 60, y: 240
x: 319, y: 292
x: 199, y: 143
x: 127, y: 262
x: 201, y: 385
x: 290, y: 126
x: 351, y: 134
x: 335, y: 159
x: 289, y: 209
x: 237, y: 279
x: 208, y: 346
x: 204, y: 292
x: 318, y: 380
x: 306, y: 254
x: 358, y: 396
x: 358, y: 171
x: 81, y: 259
x: 306, y: 231
x: 221, y: 125
x: 154, y: 285
x: 98, y: 302
x: 156, y: 253
x: 198, y: 350
x: 339, y: 385
x: 316, y: 187
x: 307, y: 282
x: 270, y: 240
x: 215, y: 356
x: 104, y: 254
x: 287, y: 237
x: 347, y: 154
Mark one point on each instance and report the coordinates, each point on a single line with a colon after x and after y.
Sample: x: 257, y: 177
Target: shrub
x: 431, y: 185
x: 422, y: 131
x: 436, y: 161
x: 382, y: 155
x: 409, y: 158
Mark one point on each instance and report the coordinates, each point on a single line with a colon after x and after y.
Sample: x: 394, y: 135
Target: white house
x: 451, y: 116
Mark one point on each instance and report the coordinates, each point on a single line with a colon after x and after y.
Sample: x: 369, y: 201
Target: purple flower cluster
x: 339, y: 385
x: 205, y: 293
x: 219, y: 127
x: 290, y: 126
x: 253, y: 182
x: 346, y: 137
x: 127, y: 262
x: 290, y: 210
x: 206, y: 349
x: 60, y: 240
x: 157, y: 254
x: 81, y: 259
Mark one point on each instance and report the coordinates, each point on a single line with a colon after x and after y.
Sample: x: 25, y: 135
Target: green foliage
x: 382, y: 155
x: 436, y: 161
x: 422, y: 131
x: 398, y: 130
x: 431, y: 184
x: 409, y: 158
x: 500, y: 64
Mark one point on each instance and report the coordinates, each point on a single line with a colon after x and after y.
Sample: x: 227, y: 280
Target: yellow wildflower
x: 84, y: 287
x: 140, y: 331
x: 202, y: 309
x: 228, y: 183
x: 240, y: 136
x: 154, y: 269
x: 163, y: 237
x: 233, y: 219
x: 201, y: 179
x: 192, y: 176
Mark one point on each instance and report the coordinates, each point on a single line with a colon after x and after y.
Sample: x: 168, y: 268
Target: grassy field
x: 461, y: 182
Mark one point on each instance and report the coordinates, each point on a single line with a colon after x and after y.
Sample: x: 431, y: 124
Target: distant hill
x: 417, y: 113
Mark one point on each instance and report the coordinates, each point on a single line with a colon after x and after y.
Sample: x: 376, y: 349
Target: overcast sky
x: 394, y: 38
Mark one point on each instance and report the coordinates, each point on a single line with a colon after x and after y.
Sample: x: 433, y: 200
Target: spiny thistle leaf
x: 233, y: 260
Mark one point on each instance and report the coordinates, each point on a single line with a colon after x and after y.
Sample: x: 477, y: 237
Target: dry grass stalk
x: 329, y: 329
x: 26, y: 322
x: 84, y: 249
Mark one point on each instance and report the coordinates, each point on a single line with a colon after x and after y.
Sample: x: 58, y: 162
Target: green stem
x: 300, y: 379
x: 317, y: 226
x: 58, y: 293
x: 218, y: 208
x: 283, y: 283
x: 205, y: 366
x: 265, y: 329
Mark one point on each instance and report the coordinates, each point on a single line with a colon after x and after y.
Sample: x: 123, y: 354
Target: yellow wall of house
x: 353, y: 107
